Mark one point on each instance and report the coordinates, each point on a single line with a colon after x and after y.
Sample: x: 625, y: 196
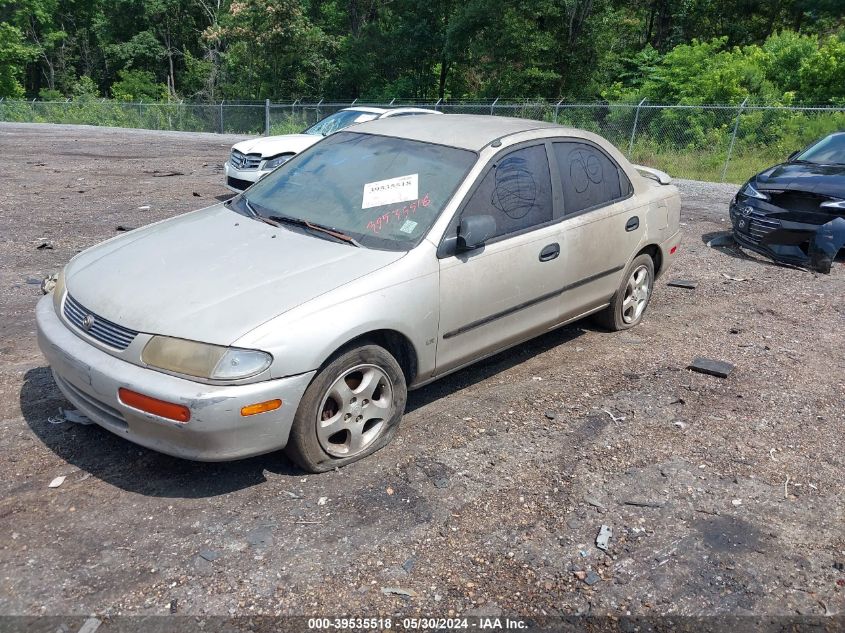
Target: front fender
x: 402, y: 297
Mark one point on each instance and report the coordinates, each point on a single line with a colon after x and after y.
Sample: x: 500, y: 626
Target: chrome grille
x: 239, y: 160
x: 101, y: 329
x: 760, y: 225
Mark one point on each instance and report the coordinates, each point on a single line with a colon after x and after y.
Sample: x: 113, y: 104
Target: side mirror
x: 474, y: 230
x: 793, y: 155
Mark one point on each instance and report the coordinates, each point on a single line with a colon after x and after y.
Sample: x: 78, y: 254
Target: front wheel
x: 350, y: 410
x: 628, y: 305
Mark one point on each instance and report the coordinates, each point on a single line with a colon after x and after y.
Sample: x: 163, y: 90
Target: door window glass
x: 517, y: 191
x: 588, y: 176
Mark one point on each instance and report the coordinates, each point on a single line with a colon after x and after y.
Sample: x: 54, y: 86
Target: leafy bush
x: 138, y: 85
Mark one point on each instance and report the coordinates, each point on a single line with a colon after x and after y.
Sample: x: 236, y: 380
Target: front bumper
x: 90, y: 378
x: 759, y: 229
x: 239, y: 179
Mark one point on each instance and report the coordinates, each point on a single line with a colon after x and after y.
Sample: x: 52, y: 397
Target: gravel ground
x: 724, y: 495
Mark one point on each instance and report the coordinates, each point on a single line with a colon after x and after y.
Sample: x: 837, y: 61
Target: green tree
x: 822, y: 74
x: 138, y: 85
x: 14, y: 54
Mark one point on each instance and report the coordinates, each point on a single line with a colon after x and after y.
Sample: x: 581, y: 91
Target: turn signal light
x: 672, y: 250
x: 261, y: 407
x: 148, y: 404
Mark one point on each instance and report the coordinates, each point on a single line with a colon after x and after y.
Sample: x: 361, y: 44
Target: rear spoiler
x: 654, y: 174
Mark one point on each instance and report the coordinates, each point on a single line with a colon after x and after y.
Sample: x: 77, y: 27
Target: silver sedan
x: 298, y: 314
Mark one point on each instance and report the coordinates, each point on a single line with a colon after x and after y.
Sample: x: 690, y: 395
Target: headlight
x: 202, y: 360
x: 59, y: 291
x: 272, y: 163
x: 833, y: 204
x: 749, y: 191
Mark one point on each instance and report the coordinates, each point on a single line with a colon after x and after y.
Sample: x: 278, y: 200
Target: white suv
x: 251, y: 160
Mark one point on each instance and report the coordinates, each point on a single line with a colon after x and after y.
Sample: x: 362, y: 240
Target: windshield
x: 338, y: 121
x: 382, y: 191
x: 828, y: 151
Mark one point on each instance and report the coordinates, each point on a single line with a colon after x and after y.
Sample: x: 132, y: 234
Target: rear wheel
x: 350, y: 410
x: 628, y: 305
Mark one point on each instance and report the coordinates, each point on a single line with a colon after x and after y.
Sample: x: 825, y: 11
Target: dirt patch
x: 491, y: 496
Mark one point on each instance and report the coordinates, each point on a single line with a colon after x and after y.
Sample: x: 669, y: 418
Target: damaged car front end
x: 794, y: 212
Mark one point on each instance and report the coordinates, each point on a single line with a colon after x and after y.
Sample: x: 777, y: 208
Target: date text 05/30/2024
x: 416, y: 624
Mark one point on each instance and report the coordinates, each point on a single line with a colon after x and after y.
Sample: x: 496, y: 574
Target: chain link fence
x: 726, y: 143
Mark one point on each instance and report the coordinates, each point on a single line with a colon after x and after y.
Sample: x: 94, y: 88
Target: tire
x: 630, y: 301
x: 350, y: 410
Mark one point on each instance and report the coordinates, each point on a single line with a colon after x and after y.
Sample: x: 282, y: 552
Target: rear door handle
x: 633, y: 224
x: 550, y: 252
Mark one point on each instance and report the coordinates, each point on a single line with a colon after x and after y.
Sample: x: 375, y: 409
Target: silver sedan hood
x: 212, y: 275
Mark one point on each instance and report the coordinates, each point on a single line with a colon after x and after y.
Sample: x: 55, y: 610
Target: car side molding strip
x: 528, y: 304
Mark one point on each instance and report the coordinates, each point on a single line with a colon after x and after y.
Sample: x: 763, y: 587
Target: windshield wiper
x: 284, y: 219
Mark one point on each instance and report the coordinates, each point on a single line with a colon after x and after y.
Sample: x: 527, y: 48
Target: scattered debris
x: 146, y: 207
x: 58, y: 481
x: 717, y: 368
x: 736, y: 502
x: 613, y: 417
x: 442, y: 482
x: 48, y: 283
x: 595, y: 503
x: 69, y: 415
x: 398, y: 591
x: 174, y: 605
x: 389, y: 490
x: 786, y: 488
x: 592, y: 578
x: 729, y: 278
x: 90, y: 625
x: 322, y: 501
x: 209, y: 555
x: 550, y: 415
x: 687, y: 284
x: 409, y: 564
x: 196, y: 195
x: 643, y: 503
x: 706, y: 510
x: 726, y: 239
x: 603, y: 539
x: 260, y: 537
x: 122, y: 228
x: 164, y: 174
x: 580, y: 575
x: 44, y: 246
x: 839, y: 566
x: 679, y: 424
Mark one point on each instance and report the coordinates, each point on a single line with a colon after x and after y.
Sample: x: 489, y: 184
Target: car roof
x: 465, y: 131
x: 408, y: 110
x: 367, y: 109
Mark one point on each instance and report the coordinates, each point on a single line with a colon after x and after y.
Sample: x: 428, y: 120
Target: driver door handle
x: 550, y: 252
x: 633, y: 224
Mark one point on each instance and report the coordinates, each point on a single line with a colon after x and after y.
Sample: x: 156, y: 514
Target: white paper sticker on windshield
x: 408, y: 227
x: 390, y: 191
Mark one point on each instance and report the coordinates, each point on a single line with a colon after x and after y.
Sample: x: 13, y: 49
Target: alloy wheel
x: 637, y: 292
x: 354, y: 411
